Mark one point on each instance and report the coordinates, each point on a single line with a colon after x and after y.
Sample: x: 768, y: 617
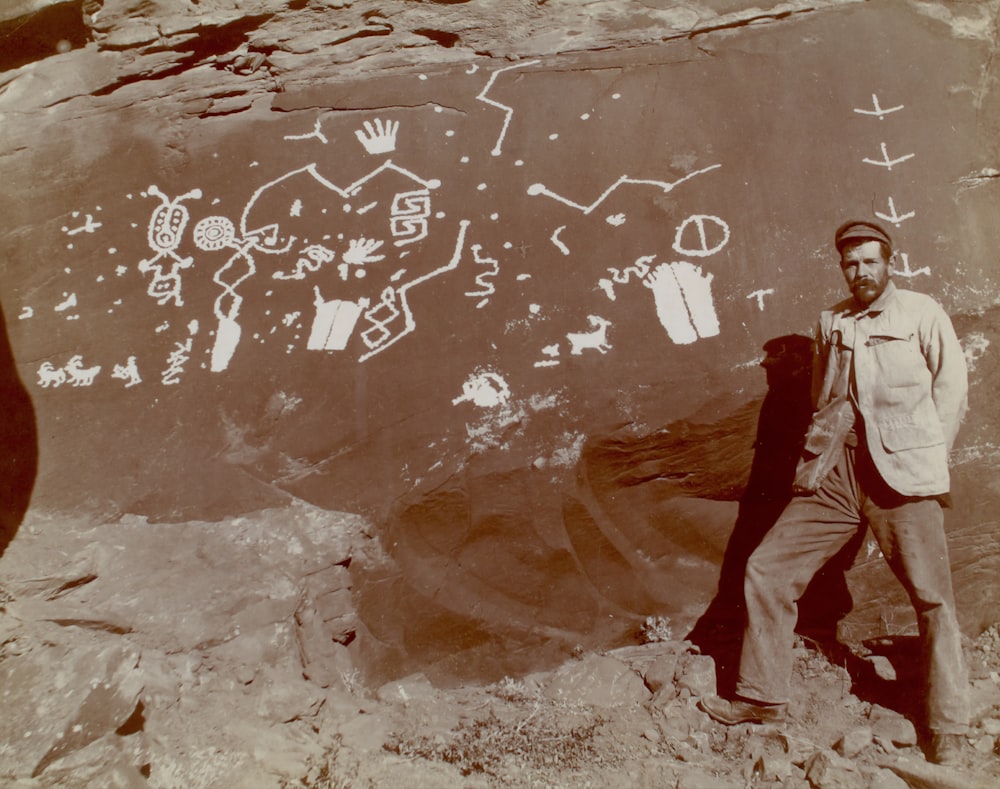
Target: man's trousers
x: 811, y: 530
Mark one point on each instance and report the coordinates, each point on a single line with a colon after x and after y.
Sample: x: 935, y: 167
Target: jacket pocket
x: 898, y: 359
x: 919, y: 427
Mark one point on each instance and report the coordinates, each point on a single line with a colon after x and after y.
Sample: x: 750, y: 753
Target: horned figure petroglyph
x: 78, y: 374
x: 49, y: 375
x: 597, y: 338
x: 166, y: 229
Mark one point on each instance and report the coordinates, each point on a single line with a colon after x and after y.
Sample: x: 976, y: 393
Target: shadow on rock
x: 784, y: 417
x: 19, y: 439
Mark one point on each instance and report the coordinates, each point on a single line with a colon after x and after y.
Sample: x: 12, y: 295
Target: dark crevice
x: 136, y: 722
x: 54, y: 29
x: 71, y: 585
x: 93, y: 624
x: 744, y: 22
x: 441, y: 37
x: 210, y: 42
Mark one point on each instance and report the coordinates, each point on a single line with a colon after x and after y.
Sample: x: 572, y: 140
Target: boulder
x: 854, y: 742
x: 826, y: 770
x: 58, y: 699
x: 892, y: 727
x: 597, y: 681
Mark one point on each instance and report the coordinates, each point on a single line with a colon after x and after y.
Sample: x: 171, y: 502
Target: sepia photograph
x: 466, y: 394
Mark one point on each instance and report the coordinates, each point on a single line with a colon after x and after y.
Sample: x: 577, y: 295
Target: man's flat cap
x: 860, y: 230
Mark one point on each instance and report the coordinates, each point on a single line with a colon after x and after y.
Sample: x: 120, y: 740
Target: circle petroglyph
x: 213, y: 233
x: 701, y: 235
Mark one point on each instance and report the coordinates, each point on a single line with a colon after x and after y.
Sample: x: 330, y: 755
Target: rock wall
x: 496, y: 276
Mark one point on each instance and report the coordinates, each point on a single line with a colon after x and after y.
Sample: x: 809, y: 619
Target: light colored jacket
x: 905, y: 373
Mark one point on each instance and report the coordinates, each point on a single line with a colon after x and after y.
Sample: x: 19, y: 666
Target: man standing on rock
x: 889, y: 387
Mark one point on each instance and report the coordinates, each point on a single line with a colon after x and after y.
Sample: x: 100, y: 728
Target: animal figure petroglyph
x: 597, y: 339
x: 78, y: 374
x: 49, y: 375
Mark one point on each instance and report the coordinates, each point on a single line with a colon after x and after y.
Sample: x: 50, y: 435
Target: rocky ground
x: 201, y: 655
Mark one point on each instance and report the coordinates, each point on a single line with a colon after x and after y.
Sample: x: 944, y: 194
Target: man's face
x: 866, y: 270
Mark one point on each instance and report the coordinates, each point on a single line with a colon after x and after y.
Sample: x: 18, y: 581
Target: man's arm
x: 946, y: 361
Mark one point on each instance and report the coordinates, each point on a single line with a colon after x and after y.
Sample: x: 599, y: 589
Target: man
x: 889, y: 388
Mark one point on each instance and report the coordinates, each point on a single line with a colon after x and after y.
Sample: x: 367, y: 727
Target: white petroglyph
x: 508, y: 111
x: 334, y: 323
x: 88, y: 226
x: 486, y: 288
x: 77, y: 374
x: 683, y: 297
x: 885, y: 161
x: 906, y: 271
x: 759, y: 295
x: 176, y: 361
x: 640, y: 269
x: 596, y: 339
x: 615, y: 220
x: 878, y: 112
x: 266, y: 236
x: 164, y: 236
x: 360, y: 251
x: 69, y: 300
x: 214, y: 233
x: 664, y: 186
x: 484, y: 388
x: 896, y: 218
x: 554, y: 238
x: 316, y: 133
x: 702, y: 246
x: 393, y: 303
x: 310, y: 260
x: 366, y: 208
x: 411, y: 210
x: 26, y: 312
x: 378, y: 136
x: 50, y: 376
x: 128, y: 372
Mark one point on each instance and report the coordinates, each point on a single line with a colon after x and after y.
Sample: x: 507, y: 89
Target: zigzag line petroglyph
x: 348, y: 191
x: 541, y: 189
x: 623, y: 276
x: 498, y: 148
x: 486, y: 289
x: 400, y: 294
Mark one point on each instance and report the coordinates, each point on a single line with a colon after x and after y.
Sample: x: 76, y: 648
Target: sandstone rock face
x: 503, y: 298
